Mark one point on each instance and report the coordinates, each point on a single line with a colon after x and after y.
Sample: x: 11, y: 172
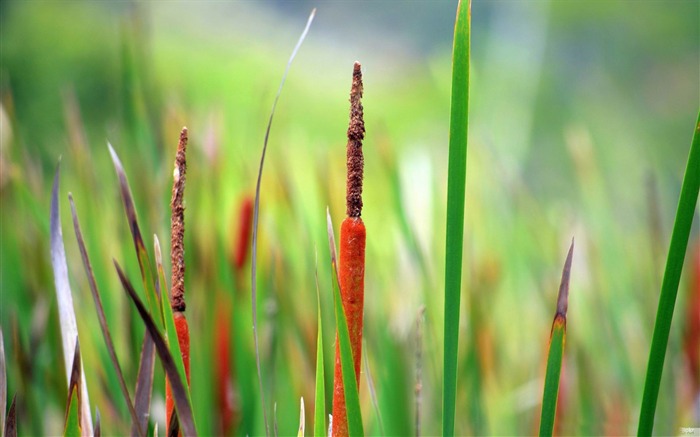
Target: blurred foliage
x: 581, y: 118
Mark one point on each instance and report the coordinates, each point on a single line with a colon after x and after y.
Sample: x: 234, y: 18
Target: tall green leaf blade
x: 320, y: 401
x: 66, y: 312
x: 556, y: 351
x: 456, y: 181
x: 170, y: 331
x: 352, y: 398
x: 669, y: 287
x: 256, y: 211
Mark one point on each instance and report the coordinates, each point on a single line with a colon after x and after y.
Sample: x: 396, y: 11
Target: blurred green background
x: 581, y: 119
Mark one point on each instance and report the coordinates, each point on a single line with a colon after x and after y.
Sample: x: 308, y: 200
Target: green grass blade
x: 669, y: 287
x: 256, y: 211
x: 170, y: 331
x: 352, y: 398
x: 556, y: 351
x: 456, y: 181
x: 72, y: 423
x: 320, y: 400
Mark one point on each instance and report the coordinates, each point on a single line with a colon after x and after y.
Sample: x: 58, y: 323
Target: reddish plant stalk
x: 692, y: 330
x: 352, y: 253
x: 245, y: 229
x: 177, y: 258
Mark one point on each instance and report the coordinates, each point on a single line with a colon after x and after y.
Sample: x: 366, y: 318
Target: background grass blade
x: 352, y: 398
x: 320, y: 398
x: 66, y: 313
x: 456, y: 181
x: 256, y: 211
x: 72, y: 420
x: 669, y: 287
x: 302, y: 419
x: 11, y: 423
x: 102, y: 318
x: 180, y: 392
x: 98, y: 423
x: 556, y: 351
x: 3, y: 381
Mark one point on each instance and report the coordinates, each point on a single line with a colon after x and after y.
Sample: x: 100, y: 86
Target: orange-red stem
x: 352, y: 285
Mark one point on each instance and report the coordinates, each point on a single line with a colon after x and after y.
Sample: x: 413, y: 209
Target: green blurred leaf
x: 456, y: 181
x: 669, y: 287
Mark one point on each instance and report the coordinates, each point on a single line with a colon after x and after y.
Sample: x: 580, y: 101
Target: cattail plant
x: 177, y: 259
x: 352, y: 252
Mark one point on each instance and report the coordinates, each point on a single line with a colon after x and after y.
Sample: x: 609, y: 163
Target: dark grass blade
x: 669, y: 287
x: 139, y: 246
x: 174, y: 425
x: 256, y: 210
x: 98, y: 423
x: 73, y: 410
x: 456, y: 181
x: 180, y: 393
x: 144, y: 380
x: 352, y: 399
x: 320, y: 400
x: 556, y: 351
x: 102, y: 319
x: 66, y: 313
x: 170, y: 330
x: 11, y: 423
x: 3, y: 382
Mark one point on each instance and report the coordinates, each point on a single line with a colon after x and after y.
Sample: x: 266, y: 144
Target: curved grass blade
x: 144, y: 379
x: 66, y: 313
x: 180, y: 392
x: 669, y: 287
x: 11, y: 423
x: 73, y: 410
x: 302, y: 420
x: 3, y: 382
x: 456, y: 181
x: 352, y: 399
x: 101, y: 317
x: 556, y: 351
x: 256, y: 210
x: 320, y: 400
x: 372, y: 390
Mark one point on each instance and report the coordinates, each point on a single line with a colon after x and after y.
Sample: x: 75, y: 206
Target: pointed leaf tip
x: 563, y: 298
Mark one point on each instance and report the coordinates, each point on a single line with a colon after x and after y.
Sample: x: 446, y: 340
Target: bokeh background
x: 581, y: 115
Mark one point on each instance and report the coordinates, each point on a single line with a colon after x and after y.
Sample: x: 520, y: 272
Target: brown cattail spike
x: 177, y: 227
x: 356, y: 133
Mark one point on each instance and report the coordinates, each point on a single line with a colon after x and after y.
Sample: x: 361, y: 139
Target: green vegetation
x: 580, y: 120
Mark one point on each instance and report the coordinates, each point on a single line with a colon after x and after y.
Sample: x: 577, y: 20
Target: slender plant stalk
x: 177, y: 258
x: 456, y: 181
x: 352, y: 252
x: 556, y: 351
x: 669, y: 286
x: 320, y: 393
x: 256, y: 211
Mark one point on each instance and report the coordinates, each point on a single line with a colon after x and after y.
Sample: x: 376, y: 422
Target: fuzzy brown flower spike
x: 177, y: 258
x: 356, y: 133
x: 177, y: 226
